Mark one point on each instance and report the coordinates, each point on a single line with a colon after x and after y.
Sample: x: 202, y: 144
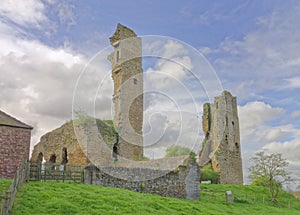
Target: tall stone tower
x: 127, y: 74
x: 221, y: 147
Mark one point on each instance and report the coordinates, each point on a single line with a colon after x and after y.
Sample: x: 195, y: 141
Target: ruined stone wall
x: 14, y: 147
x: 127, y: 75
x: 222, y: 138
x: 94, y: 147
x: 180, y: 183
x: 53, y: 143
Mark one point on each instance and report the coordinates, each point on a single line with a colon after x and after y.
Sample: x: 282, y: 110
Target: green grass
x: 67, y: 198
x: 4, y: 185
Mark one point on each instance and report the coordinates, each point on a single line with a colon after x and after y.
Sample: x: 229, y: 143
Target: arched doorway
x: 40, y: 158
x: 52, y: 160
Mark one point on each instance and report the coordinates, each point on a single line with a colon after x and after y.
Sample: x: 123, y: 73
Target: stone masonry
x: 127, y: 74
x: 221, y: 146
x: 14, y: 144
x: 62, y: 145
x: 182, y: 182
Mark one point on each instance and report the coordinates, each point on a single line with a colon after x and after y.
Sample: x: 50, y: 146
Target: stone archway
x: 40, y: 158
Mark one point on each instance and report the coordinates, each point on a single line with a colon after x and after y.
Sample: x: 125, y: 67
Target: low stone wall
x: 182, y: 182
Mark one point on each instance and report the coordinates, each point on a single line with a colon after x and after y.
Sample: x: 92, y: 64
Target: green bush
x: 207, y: 173
x: 174, y: 151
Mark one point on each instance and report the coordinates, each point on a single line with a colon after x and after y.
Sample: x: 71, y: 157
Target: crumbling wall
x: 222, y: 139
x: 63, y: 140
x: 127, y: 74
x: 183, y: 182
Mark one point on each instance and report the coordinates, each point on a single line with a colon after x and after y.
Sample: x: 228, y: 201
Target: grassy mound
x: 67, y: 198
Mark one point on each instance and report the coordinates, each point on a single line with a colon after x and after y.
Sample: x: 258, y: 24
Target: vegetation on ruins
x: 177, y: 151
x: 269, y: 170
x: 207, y: 173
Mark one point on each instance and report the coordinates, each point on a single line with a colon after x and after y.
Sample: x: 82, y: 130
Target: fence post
x: 28, y: 171
x: 9, y: 196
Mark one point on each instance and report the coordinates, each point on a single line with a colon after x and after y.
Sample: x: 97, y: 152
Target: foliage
x: 267, y: 170
x: 105, y: 127
x: 54, y: 198
x: 260, y: 181
x: 4, y: 185
x: 177, y: 151
x: 193, y: 156
x: 141, y: 158
x: 82, y: 118
x: 207, y: 173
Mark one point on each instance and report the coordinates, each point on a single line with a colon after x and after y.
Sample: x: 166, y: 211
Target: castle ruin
x: 127, y: 74
x: 174, y: 177
x: 221, y: 146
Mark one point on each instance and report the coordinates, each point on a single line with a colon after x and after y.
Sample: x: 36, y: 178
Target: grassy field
x: 4, y: 185
x: 67, y: 198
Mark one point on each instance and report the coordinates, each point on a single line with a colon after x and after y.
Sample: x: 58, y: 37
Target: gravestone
x: 229, y: 196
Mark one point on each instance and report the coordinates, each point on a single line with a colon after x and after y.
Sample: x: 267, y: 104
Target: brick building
x: 14, y: 144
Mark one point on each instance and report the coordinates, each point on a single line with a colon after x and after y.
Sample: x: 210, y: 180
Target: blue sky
x: 254, y: 47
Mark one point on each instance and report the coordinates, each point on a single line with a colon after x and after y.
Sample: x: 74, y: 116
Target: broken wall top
x: 121, y: 33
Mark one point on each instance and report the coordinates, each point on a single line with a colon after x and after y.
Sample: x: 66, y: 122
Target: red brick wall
x: 14, y: 146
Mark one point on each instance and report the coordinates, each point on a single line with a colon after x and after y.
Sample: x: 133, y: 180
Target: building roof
x: 8, y: 120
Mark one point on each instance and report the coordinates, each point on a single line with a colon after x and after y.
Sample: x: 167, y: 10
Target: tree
x: 177, y: 151
x: 207, y: 173
x: 269, y: 170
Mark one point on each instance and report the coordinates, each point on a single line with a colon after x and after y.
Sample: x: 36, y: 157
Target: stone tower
x: 221, y: 146
x: 127, y: 74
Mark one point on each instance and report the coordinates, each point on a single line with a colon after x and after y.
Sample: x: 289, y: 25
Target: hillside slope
x: 63, y: 198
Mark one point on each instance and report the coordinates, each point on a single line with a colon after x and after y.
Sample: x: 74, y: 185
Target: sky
x: 253, y: 47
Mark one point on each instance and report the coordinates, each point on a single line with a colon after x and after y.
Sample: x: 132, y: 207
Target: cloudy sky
x: 253, y: 46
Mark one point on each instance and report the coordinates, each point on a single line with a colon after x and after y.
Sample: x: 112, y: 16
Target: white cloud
x: 66, y: 14
x: 172, y: 68
x: 37, y: 80
x: 267, y: 56
x: 292, y: 83
x: 290, y: 150
x: 275, y: 133
x: 23, y: 12
x: 258, y: 132
x: 254, y: 116
x: 295, y: 114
